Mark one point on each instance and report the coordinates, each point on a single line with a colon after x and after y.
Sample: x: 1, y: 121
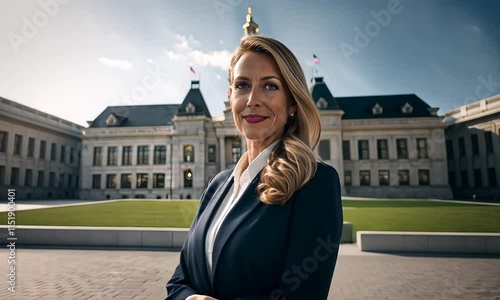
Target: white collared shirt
x: 242, y: 179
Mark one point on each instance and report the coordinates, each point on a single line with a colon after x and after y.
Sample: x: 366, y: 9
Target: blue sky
x: 74, y: 58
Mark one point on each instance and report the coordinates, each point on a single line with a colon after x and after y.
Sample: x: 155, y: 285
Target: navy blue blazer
x: 264, y: 251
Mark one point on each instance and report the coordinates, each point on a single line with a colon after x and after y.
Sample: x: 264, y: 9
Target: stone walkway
x: 131, y: 274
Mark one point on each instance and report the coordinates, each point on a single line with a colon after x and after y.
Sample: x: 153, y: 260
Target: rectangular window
x: 43, y: 149
x: 112, y: 156
x: 211, y: 153
x: 461, y: 147
x: 188, y: 179
x: 464, y: 178
x: 28, y: 177
x: 63, y: 153
x: 160, y: 155
x: 423, y: 177
x: 40, y: 182
x: 449, y: 149
x: 188, y: 153
x: 97, y: 156
x: 111, y: 181
x: 402, y: 148
x: 96, y: 181
x: 324, y: 149
x: 53, y: 150
x: 404, y: 177
x: 364, y: 177
x: 475, y: 144
x: 2, y: 175
x: 18, y: 144
x: 70, y: 181
x: 4, y: 139
x: 52, y: 179
x: 382, y: 149
x: 347, y: 178
x: 126, y: 181
x: 142, y: 181
x: 363, y: 151
x: 383, y: 177
x: 158, y: 180
x: 346, y: 150
x: 127, y: 156
x: 235, y: 152
x: 478, y: 181
x: 451, y: 179
x: 71, y: 155
x: 143, y: 155
x: 31, y: 147
x: 488, y: 138
x: 61, y: 180
x: 422, y: 148
x: 14, y: 176
x: 492, y: 177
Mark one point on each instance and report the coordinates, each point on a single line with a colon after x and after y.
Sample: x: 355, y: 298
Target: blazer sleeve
x: 179, y: 286
x: 314, y: 238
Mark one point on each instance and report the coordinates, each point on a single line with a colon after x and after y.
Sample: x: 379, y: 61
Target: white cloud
x: 124, y: 65
x: 149, y: 60
x: 186, y: 49
x: 217, y: 76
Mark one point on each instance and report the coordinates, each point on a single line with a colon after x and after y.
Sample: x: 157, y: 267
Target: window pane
x: 97, y: 156
x: 158, y: 180
x: 96, y: 181
x: 4, y: 137
x: 142, y: 155
x: 14, y: 176
x: 324, y: 149
x: 402, y: 148
x: 404, y: 177
x: 382, y: 150
x: 127, y: 155
x: 112, y: 156
x: 364, y: 177
x: 421, y: 148
x: 235, y: 152
x: 211, y: 153
x: 142, y: 181
x: 53, y: 150
x: 43, y: 149
x: 188, y: 153
x: 346, y: 150
x: 160, y: 155
x: 347, y: 178
x: 126, y: 181
x: 461, y: 147
x: 18, y: 144
x: 363, y: 151
x: 489, y: 141
x: 492, y: 177
x: 188, y: 178
x: 111, y: 181
x: 423, y: 177
x: 31, y: 147
x: 475, y: 144
x: 383, y: 177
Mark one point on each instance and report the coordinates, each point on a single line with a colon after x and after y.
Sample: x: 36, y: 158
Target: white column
x: 222, y: 152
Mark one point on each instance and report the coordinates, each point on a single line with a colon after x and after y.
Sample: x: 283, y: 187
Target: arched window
x: 188, y: 153
x: 188, y: 179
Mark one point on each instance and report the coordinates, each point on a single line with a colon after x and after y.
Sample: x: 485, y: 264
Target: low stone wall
x: 147, y: 237
x: 429, y: 242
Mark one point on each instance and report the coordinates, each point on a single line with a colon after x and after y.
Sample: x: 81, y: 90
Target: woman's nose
x: 254, y: 98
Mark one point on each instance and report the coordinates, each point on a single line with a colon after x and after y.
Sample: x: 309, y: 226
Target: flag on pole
x: 192, y: 70
x: 315, y: 59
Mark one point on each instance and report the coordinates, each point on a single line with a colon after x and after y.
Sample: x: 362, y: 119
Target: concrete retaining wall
x: 430, y: 242
x: 68, y: 236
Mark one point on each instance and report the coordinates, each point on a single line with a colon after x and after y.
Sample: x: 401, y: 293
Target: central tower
x: 250, y: 27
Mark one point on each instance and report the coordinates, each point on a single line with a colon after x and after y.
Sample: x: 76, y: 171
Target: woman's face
x: 259, y: 98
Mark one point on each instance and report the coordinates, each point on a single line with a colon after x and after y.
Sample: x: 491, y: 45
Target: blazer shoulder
x: 324, y: 169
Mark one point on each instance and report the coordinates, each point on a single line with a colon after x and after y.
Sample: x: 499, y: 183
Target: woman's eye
x: 241, y: 85
x: 271, y: 87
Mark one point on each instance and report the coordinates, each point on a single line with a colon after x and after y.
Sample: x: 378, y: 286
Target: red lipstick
x: 254, y: 119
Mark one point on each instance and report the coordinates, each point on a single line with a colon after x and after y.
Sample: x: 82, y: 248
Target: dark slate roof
x: 319, y: 90
x: 138, y: 115
x: 361, y: 107
x: 194, y: 97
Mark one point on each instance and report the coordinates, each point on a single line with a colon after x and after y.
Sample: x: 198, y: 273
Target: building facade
x: 473, y: 149
x: 39, y: 153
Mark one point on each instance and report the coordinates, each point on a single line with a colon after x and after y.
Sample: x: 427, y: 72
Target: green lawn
x: 388, y: 215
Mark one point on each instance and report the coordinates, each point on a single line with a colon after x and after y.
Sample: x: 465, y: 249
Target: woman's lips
x: 254, y: 119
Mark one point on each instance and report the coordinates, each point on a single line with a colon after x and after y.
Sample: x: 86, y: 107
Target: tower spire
x: 250, y: 27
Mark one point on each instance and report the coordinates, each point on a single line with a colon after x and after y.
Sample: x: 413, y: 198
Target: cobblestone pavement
x: 131, y: 274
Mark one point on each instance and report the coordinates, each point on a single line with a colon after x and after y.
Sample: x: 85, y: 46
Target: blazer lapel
x: 241, y: 210
x: 201, y: 229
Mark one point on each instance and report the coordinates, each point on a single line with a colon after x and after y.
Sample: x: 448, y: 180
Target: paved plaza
x: 134, y: 274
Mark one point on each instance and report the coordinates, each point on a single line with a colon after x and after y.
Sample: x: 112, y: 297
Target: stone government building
x: 388, y: 146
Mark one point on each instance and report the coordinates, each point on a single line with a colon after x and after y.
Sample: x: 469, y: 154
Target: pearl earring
x: 292, y: 114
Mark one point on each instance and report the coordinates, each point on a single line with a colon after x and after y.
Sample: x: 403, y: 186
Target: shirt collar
x: 255, y: 166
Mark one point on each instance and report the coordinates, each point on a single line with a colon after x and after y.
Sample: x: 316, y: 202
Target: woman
x: 269, y: 228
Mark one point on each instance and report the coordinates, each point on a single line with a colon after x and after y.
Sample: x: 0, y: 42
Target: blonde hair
x: 292, y: 162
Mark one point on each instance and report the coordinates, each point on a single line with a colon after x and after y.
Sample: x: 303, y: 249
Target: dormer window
x: 377, y: 109
x: 407, y: 108
x: 190, y: 108
x: 321, y: 104
x: 111, y: 120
